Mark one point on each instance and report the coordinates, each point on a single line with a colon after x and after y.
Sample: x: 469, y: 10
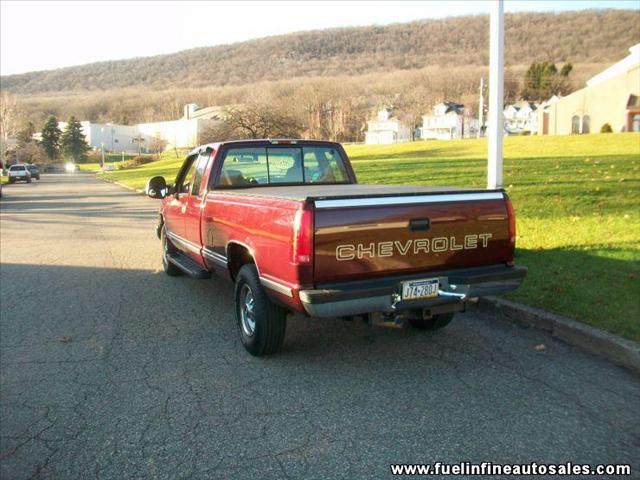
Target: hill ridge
x: 352, y: 51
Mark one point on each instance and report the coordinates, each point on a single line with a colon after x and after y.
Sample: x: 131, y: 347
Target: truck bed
x: 323, y: 192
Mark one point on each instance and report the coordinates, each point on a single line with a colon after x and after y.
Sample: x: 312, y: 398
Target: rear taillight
x: 302, y: 251
x: 512, y: 221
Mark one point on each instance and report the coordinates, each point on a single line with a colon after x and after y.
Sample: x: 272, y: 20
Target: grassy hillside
x: 577, y: 200
x: 581, y: 37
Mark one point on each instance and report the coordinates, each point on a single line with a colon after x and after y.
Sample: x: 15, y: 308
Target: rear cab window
x: 291, y: 165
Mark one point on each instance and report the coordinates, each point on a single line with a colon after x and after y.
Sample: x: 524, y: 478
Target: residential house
x: 446, y: 123
x: 386, y: 128
x: 609, y: 98
x: 521, y: 117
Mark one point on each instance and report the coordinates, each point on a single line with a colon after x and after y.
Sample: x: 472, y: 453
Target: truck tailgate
x: 371, y: 236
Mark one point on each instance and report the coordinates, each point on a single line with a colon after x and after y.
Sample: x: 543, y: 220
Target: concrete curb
x: 119, y: 184
x: 617, y: 350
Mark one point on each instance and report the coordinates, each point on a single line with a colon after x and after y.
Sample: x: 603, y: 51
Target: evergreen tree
x: 73, y: 142
x: 26, y: 134
x: 543, y: 80
x: 51, y: 138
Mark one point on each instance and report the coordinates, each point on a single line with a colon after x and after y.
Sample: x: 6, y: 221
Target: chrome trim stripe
x: 276, y: 287
x: 184, y: 242
x: 365, y: 202
x: 215, y: 257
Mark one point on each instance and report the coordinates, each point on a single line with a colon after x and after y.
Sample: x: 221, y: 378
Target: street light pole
x: 496, y: 90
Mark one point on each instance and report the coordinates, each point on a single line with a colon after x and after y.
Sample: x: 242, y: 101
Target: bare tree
x: 8, y: 119
x: 157, y: 145
x: 255, y: 120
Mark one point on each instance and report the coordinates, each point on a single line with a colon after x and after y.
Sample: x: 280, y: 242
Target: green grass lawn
x: 89, y: 167
x: 577, y: 200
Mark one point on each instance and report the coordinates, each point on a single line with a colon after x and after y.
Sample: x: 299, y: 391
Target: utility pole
x: 496, y: 90
x: 102, y: 145
x: 481, y: 108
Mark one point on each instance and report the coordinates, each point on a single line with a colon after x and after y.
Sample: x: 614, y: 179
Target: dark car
x: 33, y: 170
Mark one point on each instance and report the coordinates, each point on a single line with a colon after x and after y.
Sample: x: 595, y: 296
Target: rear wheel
x: 167, y: 249
x: 261, y: 323
x: 434, y: 323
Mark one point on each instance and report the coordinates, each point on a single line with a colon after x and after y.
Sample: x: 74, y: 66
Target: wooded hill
x: 579, y: 37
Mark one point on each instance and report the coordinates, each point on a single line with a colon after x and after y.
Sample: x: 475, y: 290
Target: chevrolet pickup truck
x: 288, y: 223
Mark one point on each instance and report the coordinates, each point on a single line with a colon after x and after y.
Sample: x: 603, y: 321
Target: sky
x: 51, y: 34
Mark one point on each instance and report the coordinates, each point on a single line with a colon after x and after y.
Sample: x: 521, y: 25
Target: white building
x: 387, y: 129
x: 183, y: 133
x: 446, y: 123
x: 521, y: 116
x: 110, y: 136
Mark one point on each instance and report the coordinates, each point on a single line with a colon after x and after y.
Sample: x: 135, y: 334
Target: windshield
x: 254, y: 166
x: 16, y: 167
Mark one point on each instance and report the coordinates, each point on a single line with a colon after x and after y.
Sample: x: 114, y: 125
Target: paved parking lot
x: 110, y: 369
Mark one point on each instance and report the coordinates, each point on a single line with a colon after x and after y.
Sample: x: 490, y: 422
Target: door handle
x: 419, y: 224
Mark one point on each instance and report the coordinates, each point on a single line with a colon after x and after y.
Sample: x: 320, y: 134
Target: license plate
x: 425, y: 288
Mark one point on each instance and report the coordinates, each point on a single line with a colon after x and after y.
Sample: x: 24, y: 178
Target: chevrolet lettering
x: 287, y: 222
x: 408, y: 247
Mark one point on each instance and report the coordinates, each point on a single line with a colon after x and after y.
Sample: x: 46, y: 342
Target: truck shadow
x: 81, y: 302
x: 153, y: 308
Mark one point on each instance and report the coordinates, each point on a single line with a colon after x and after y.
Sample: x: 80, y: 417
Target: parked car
x: 33, y: 170
x: 18, y: 172
x: 295, y: 232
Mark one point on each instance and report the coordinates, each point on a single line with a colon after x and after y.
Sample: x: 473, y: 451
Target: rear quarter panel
x: 263, y: 225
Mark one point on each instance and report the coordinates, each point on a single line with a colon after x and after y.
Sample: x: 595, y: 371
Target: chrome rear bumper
x: 382, y: 295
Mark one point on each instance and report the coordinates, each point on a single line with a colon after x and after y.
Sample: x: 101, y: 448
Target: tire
x: 12, y: 180
x: 29, y: 180
x: 434, y: 323
x: 167, y: 248
x: 266, y: 335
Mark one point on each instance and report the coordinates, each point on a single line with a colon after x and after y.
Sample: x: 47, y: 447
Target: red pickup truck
x: 287, y: 222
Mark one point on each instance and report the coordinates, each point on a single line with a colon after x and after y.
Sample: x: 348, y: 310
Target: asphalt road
x: 110, y: 369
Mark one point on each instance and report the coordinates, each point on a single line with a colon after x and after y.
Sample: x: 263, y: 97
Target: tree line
x: 52, y: 145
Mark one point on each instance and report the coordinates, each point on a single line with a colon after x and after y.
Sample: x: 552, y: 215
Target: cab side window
x: 188, y: 179
x: 201, y: 165
x: 183, y: 180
